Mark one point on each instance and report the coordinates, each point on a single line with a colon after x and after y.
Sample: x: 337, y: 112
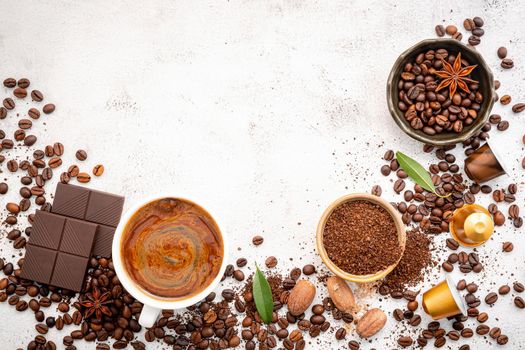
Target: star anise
x: 455, y: 76
x: 96, y: 304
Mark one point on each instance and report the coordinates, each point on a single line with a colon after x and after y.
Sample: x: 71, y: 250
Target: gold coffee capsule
x: 471, y: 225
x: 443, y: 300
x: 483, y: 164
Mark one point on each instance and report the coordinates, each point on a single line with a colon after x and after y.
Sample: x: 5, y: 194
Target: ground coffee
x: 360, y: 237
x: 412, y: 266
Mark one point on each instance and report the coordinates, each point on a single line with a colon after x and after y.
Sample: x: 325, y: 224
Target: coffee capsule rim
x: 455, y: 294
x: 499, y: 158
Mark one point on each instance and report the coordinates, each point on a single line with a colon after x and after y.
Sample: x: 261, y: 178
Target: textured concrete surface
x: 265, y: 111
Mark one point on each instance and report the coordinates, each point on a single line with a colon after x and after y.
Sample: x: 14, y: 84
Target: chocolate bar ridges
x: 104, y: 209
x: 58, y: 250
x: 81, y: 224
x: 38, y: 264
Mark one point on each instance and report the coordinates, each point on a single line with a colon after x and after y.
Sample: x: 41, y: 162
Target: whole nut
x: 341, y: 294
x: 371, y: 323
x: 301, y: 297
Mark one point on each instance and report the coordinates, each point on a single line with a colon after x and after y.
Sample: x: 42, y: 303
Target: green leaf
x: 262, y: 294
x: 415, y: 171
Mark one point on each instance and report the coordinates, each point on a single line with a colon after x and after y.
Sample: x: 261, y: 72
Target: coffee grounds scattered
x: 361, y: 238
x: 276, y: 285
x: 411, y: 269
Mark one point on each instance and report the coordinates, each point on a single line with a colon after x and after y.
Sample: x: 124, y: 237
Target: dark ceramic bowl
x: 482, y: 74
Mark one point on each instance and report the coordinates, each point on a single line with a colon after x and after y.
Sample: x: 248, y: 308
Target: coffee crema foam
x: 172, y: 248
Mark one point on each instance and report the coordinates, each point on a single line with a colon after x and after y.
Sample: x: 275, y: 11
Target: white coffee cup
x: 153, y: 306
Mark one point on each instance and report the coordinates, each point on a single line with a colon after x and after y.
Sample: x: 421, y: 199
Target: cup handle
x: 148, y: 316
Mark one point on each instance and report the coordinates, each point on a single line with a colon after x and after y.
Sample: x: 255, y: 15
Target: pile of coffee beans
x: 37, y: 172
x: 233, y: 320
x: 434, y: 112
x: 436, y: 334
x: 431, y: 212
x: 40, y: 168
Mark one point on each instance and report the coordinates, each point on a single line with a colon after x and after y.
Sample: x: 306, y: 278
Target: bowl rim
x: 428, y: 139
x: 400, y: 228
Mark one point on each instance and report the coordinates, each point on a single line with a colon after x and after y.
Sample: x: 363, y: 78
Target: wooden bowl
x: 482, y: 73
x: 400, y: 227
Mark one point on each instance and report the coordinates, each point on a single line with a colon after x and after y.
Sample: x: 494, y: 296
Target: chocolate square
x: 78, y: 237
x: 47, y: 230
x: 69, y: 272
x: 104, y: 208
x: 38, y: 264
x: 71, y: 200
x: 103, y: 241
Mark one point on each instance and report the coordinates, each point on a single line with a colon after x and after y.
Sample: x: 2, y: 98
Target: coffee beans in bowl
x: 360, y: 237
x: 440, y: 92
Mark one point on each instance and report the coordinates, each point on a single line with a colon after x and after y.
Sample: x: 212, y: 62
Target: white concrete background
x: 266, y: 111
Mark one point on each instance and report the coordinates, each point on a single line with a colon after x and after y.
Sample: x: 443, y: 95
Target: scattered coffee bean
x: 49, y: 108
x: 257, y: 240
x: 98, y: 170
x: 81, y: 154
x: 83, y: 177
x: 506, y: 63
x: 37, y: 96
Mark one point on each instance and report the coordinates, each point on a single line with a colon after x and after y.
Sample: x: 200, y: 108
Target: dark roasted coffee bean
x: 353, y: 345
x: 507, y: 63
x: 24, y: 83
x: 48, y: 108
x: 474, y: 40
x: 41, y: 328
x: 37, y: 96
x: 385, y: 170
x: 33, y: 113
x: 518, y: 107
x: 491, y: 298
x: 405, y: 341
x: 19, y: 135
x: 389, y: 155
x: 482, y: 329
x: 30, y: 140
x: 376, y: 190
x: 518, y: 287
x: 58, y: 149
x: 65, y: 178
x: 399, y: 185
x: 9, y: 103
x: 81, y: 154
x: 308, y: 269
x: 271, y: 262
x: 508, y: 246
x: 55, y: 162
x: 12, y: 165
x: 9, y: 83
x: 499, y: 218
x: 241, y: 262
x: 495, y: 332
x: 340, y: 334
x: 440, y: 30
x: 502, y: 339
x: 83, y: 177
x: 467, y: 333
x: 398, y: 315
x: 20, y: 92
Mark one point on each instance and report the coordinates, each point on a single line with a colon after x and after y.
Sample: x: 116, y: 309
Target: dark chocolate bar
x: 104, y: 209
x: 58, y: 250
x: 81, y: 224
